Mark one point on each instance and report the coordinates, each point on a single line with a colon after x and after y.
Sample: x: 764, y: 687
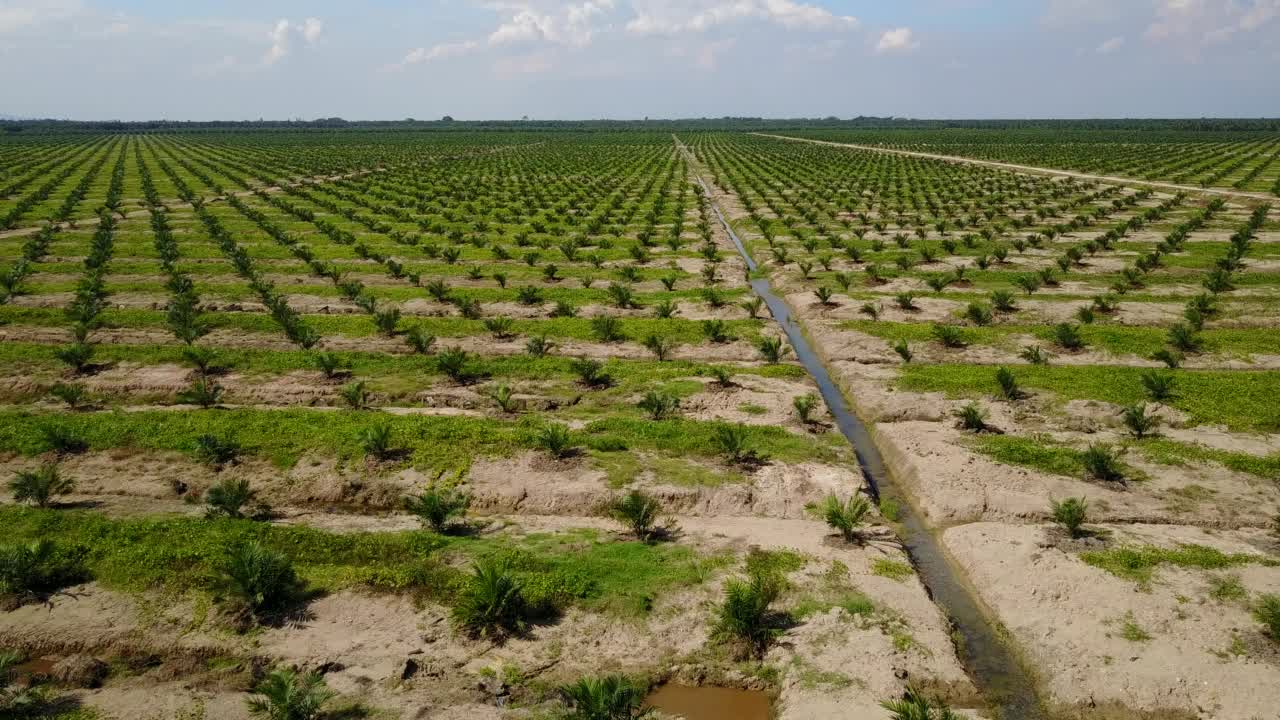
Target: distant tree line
x: 686, y: 124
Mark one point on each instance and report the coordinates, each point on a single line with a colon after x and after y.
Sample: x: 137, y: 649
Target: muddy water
x: 709, y: 703
x: 995, y: 670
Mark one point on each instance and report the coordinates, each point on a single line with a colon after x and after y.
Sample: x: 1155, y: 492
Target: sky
x: 628, y: 59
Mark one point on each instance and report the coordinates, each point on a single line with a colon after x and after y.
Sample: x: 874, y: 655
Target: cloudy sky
x: 569, y: 59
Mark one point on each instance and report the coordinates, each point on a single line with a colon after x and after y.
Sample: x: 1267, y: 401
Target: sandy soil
x: 1205, y: 657
x: 396, y: 656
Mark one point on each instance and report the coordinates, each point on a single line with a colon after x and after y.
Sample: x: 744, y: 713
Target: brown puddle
x: 709, y: 703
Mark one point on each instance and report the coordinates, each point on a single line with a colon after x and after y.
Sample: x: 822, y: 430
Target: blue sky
x: 571, y: 59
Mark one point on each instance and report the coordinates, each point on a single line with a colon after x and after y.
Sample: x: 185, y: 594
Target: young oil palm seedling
x: 745, y: 618
x: 502, y: 328
x: 1102, y: 462
x: 607, y: 329
x: 1070, y: 514
x: 716, y: 330
x: 771, y: 349
x: 1172, y: 359
x: 375, y: 440
x: 1159, y: 386
x: 234, y: 498
x: 1266, y: 610
x: 1184, y: 338
x: 845, y: 516
x: 331, y: 365
x: 217, y: 451
x: 622, y: 296
x: 1003, y: 301
x: 492, y: 604
x: 906, y: 301
x: 722, y: 375
x: 949, y: 335
x: 1139, y: 422
x: 591, y: 373
x: 979, y: 314
x: 260, y: 580
x: 1067, y: 336
x: 356, y: 395
x: 1008, y: 383
x: 914, y: 705
x: 972, y: 418
x: 504, y: 398
x: 1034, y: 355
x: 612, y: 697
x: 660, y: 346
x: 419, y: 340
x: 735, y: 442
x: 74, y: 395
x: 659, y: 405
x: 638, y: 512
x: 538, y: 346
x: 453, y: 363
x: 556, y: 439
x: 203, y: 359
x: 666, y: 309
x: 903, y: 350
x: 40, y: 486
x: 78, y: 356
x: 62, y: 440
x: 438, y: 505
x: 804, y: 406
x: 753, y: 306
x: 32, y: 568
x: 387, y: 320
x: 203, y: 392
x: 288, y: 695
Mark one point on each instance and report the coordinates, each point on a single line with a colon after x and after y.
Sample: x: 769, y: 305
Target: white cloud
x: 443, y: 50
x: 897, y: 40
x: 283, y: 31
x: 1197, y: 23
x: 667, y: 17
x: 576, y: 24
x: 279, y: 42
x: 22, y: 14
x: 1110, y: 45
x: 311, y: 29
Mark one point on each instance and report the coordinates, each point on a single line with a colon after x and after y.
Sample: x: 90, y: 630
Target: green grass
x: 432, y: 441
x: 179, y: 555
x: 1239, y: 400
x: 631, y: 375
x: 635, y: 329
x: 623, y: 468
x: 892, y: 569
x: 1115, y: 339
x: 1170, y: 452
x: 1043, y: 456
x: 1139, y: 563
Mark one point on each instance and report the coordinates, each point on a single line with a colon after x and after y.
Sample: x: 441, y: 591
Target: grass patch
x: 892, y: 569
x: 1240, y: 400
x: 181, y: 554
x: 431, y: 440
x: 676, y: 329
x: 623, y: 468
x: 1170, y: 452
x: 1139, y: 563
